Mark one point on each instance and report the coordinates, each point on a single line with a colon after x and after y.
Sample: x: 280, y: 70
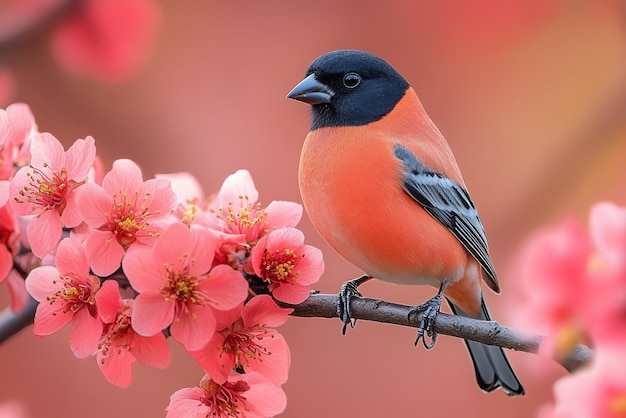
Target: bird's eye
x: 351, y: 80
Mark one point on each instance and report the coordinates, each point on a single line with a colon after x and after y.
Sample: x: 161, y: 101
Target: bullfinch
x: 381, y: 185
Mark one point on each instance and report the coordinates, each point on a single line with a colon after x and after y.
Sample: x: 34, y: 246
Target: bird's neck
x: 408, y: 119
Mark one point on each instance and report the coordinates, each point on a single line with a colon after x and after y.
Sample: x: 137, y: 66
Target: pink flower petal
x: 49, y: 319
x: 108, y: 301
x: 607, y: 227
x: 79, y: 158
x: 292, y: 293
x: 225, y: 318
x: 44, y: 232
x: 116, y: 367
x: 158, y: 196
x: 152, y: 313
x: 152, y: 351
x: 144, y: 269
x: 283, y: 214
x: 173, y: 242
x: 85, y: 334
x: 263, y: 310
x: 236, y: 186
x: 226, y: 287
x: 71, y: 217
x: 552, y: 258
x: 40, y: 282
x: 71, y: 259
x: 203, y: 247
x: 197, y: 244
x: 92, y: 203
x: 214, y: 362
x: 311, y: 266
x: 274, y: 365
x: 46, y: 150
x: 125, y: 176
x: 264, y: 397
x: 185, y: 403
x: 185, y: 186
x: 18, y: 203
x: 22, y: 123
x: 285, y: 238
x: 104, y: 252
x: 194, y: 329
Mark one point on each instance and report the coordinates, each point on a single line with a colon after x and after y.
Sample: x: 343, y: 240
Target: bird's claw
x: 430, y: 310
x: 347, y: 292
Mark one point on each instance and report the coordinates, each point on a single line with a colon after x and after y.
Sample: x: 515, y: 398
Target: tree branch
x: 16, y: 24
x: 325, y: 306
x: 486, y: 332
x: 13, y: 322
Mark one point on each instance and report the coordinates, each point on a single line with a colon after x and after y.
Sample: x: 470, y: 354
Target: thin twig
x: 486, y: 332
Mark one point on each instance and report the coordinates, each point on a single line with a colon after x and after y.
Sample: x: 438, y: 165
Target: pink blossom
x: 176, y: 287
x: 120, y: 345
x: 248, y: 395
x: 124, y: 212
x: 287, y: 265
x: 16, y: 147
x: 46, y: 189
x: 67, y: 294
x: 245, y: 340
x: 22, y: 124
x: 572, y: 288
x: 597, y: 391
x: 607, y: 228
x: 235, y: 210
x: 191, y: 200
x: 108, y: 39
x: 233, y: 251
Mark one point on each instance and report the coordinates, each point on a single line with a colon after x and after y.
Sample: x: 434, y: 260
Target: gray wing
x: 449, y: 203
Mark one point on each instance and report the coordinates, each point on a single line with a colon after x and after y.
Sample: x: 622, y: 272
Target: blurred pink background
x: 530, y: 95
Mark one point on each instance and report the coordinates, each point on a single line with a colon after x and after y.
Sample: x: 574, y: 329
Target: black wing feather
x: 449, y: 203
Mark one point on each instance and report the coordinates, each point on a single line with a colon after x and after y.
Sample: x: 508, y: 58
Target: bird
x: 381, y: 185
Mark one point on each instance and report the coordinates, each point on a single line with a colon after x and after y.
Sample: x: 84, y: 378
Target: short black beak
x: 311, y: 91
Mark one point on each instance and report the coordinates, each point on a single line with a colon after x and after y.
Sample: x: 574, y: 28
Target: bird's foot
x: 347, y: 292
x: 430, y: 309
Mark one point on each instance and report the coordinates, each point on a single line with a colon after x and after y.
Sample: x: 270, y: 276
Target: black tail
x: 490, y: 363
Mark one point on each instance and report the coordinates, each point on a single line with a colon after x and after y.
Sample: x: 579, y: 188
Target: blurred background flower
x: 529, y: 94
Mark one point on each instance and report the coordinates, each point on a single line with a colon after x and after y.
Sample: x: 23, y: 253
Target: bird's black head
x: 349, y: 88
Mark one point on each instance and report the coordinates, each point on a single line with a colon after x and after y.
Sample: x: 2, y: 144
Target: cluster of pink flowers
x: 126, y: 261
x: 572, y: 289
